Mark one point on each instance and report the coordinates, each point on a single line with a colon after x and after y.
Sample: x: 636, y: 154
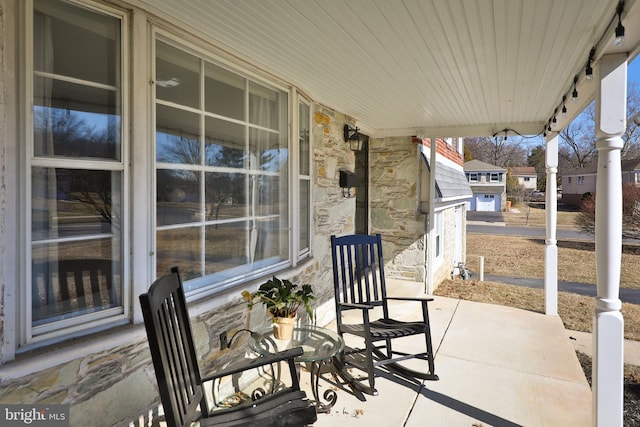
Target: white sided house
x: 488, y: 184
x: 527, y: 177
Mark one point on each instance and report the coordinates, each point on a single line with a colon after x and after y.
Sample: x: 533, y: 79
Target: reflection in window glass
x: 178, y: 196
x: 75, y: 120
x: 264, y: 106
x: 76, y: 206
x: 303, y: 137
x: 74, y: 278
x: 225, y: 144
x: 177, y: 76
x: 74, y: 202
x: 74, y: 42
x: 177, y: 136
x: 304, y: 215
x: 224, y: 92
x: 231, y: 202
x: 266, y: 152
x: 179, y: 247
x: 226, y: 246
x: 225, y: 196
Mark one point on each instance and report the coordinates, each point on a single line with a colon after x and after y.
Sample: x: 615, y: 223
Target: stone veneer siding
x: 393, y: 206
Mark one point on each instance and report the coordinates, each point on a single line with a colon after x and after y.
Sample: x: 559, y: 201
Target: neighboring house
x: 527, y: 177
x: 581, y: 182
x: 488, y: 184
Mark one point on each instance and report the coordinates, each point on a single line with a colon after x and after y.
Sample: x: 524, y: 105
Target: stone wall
x: 393, y: 204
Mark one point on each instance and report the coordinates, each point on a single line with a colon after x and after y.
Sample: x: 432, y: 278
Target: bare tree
x: 580, y: 140
x: 631, y: 136
x: 497, y: 150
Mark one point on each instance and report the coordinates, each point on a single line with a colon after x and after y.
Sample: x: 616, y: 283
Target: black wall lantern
x: 353, y: 137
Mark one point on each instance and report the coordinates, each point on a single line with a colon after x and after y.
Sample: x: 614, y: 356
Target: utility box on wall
x: 347, y: 179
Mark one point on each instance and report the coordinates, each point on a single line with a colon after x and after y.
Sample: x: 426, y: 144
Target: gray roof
x: 478, y: 166
x: 450, y: 182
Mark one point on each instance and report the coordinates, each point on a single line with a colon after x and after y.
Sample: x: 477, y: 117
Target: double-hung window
x: 76, y: 171
x: 222, y: 171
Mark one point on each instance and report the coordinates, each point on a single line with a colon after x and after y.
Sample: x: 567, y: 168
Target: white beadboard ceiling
x: 437, y: 67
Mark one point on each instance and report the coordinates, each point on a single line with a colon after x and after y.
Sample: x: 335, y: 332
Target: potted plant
x: 282, y: 299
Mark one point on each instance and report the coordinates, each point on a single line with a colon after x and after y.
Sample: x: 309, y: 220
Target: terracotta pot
x: 283, y: 327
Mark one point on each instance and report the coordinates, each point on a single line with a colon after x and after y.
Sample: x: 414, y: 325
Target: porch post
x: 608, y: 336
x: 551, y: 211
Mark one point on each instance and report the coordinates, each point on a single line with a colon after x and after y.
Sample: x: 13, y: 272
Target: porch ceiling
x: 438, y: 67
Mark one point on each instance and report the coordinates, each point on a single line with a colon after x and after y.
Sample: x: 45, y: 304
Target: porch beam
x: 608, y: 336
x: 551, y: 218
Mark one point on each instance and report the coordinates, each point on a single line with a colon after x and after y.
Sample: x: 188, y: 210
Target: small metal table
x: 320, y: 347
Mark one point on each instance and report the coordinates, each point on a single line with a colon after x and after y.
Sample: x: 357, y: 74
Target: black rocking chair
x: 177, y: 372
x: 359, y: 284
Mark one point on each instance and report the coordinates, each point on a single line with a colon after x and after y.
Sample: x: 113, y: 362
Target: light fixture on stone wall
x: 353, y: 137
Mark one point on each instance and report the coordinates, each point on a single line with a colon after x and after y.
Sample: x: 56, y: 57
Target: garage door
x: 487, y: 203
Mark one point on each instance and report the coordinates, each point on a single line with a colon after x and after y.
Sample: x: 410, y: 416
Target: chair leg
x: 369, y: 346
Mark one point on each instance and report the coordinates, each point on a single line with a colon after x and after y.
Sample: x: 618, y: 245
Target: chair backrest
x: 358, y: 270
x: 76, y: 284
x: 174, y: 357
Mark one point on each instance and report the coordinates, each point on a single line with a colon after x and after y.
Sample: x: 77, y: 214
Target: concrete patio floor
x: 498, y: 366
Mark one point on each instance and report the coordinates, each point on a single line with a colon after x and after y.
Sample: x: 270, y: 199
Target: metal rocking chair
x: 179, y: 382
x: 359, y: 284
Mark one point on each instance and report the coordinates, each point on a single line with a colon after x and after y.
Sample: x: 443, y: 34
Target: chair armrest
x: 419, y: 299
x: 255, y: 363
x: 358, y: 306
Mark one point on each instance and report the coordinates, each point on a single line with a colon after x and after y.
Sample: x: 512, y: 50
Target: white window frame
x: 494, y: 177
x: 580, y: 180
x: 473, y: 177
x: 80, y: 325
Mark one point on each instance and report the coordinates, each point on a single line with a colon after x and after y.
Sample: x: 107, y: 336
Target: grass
x: 534, y: 215
x: 524, y: 257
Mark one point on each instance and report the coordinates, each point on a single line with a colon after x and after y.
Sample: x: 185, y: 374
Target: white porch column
x: 551, y: 211
x: 608, y: 336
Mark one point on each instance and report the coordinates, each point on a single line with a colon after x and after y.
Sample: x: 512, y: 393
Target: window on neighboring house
x: 489, y: 196
x: 637, y: 177
x: 580, y: 180
x: 569, y: 179
x: 494, y: 177
x: 472, y: 177
x: 527, y: 179
x: 77, y: 172
x: 222, y: 172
